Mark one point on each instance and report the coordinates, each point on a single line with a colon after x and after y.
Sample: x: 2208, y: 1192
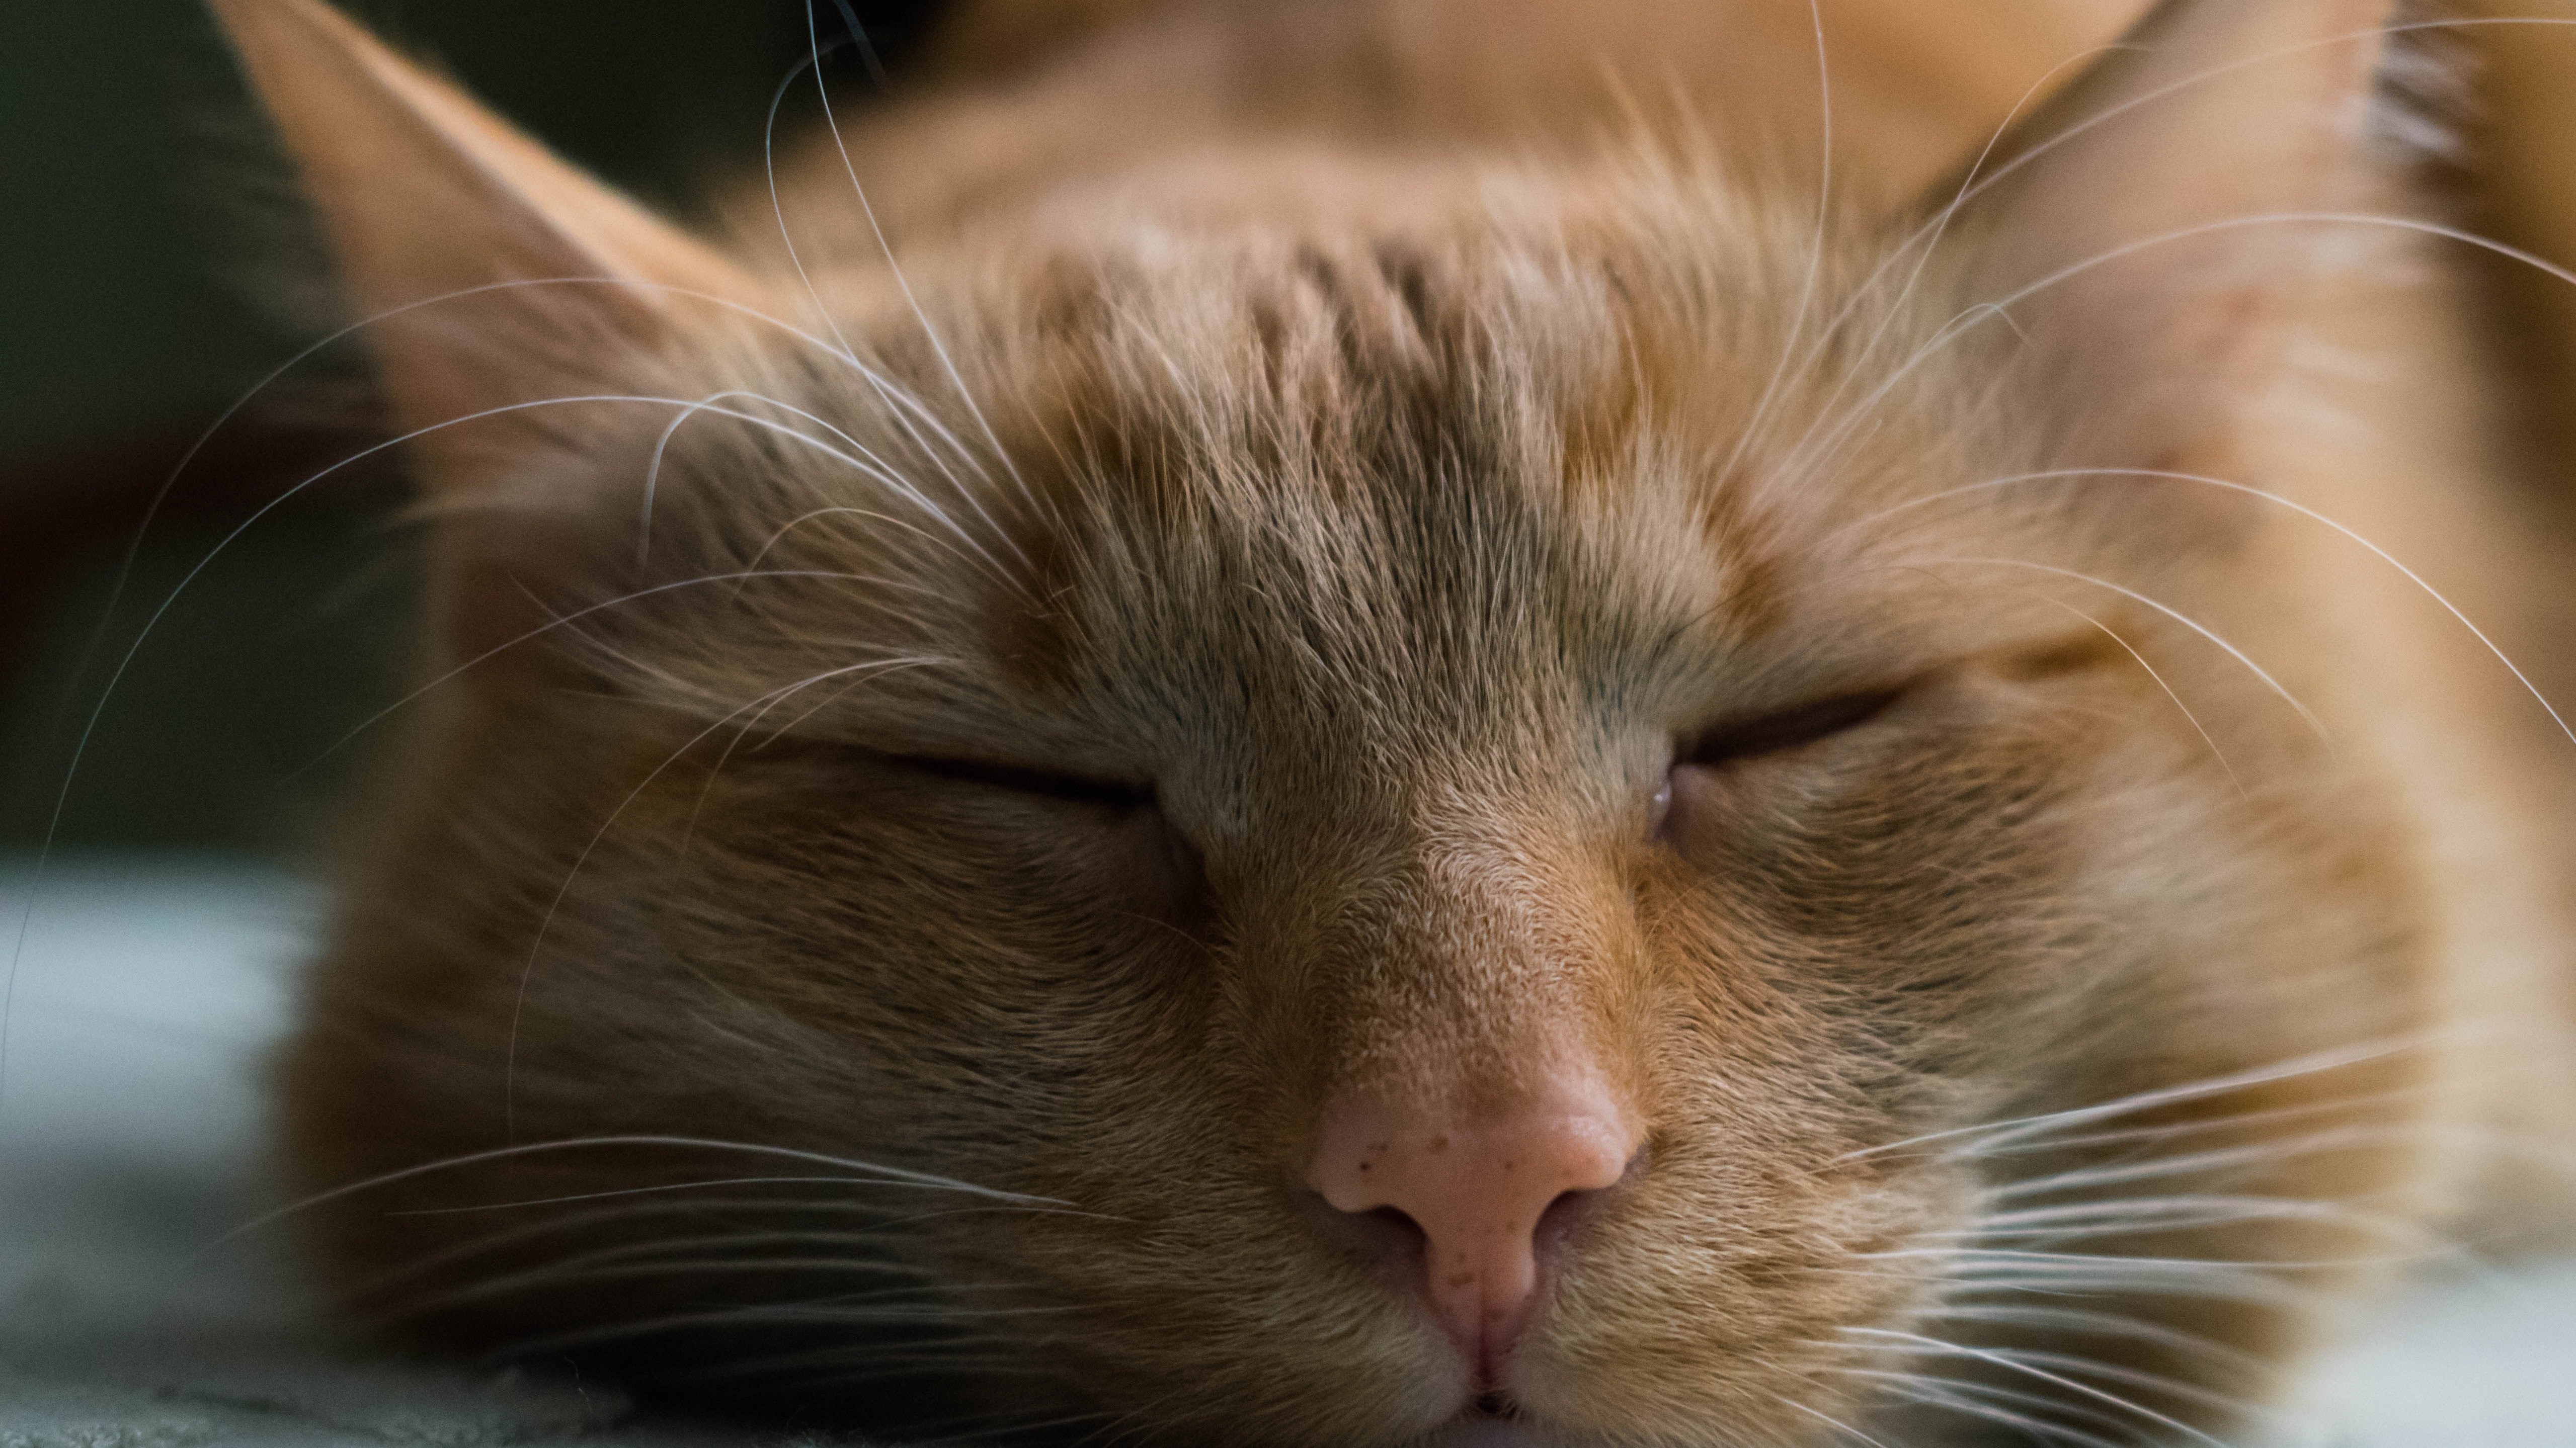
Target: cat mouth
x: 1489, y: 1422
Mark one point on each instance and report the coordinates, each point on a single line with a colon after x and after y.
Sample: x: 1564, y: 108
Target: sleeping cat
x: 1399, y: 749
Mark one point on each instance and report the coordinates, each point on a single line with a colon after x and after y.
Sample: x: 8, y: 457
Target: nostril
x: 1397, y: 1223
x: 1566, y: 1206
x: 1573, y: 1207
x: 1393, y: 1237
x: 1565, y: 1216
x: 1388, y: 1238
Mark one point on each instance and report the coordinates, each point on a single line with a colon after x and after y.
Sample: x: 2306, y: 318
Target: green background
x: 138, y: 206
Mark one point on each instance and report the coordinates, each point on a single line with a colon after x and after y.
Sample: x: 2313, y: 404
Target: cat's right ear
x: 495, y: 279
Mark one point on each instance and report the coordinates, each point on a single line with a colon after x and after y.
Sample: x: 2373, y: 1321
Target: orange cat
x: 1409, y: 747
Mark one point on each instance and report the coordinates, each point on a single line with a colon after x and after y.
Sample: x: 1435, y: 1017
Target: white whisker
x: 1837, y: 1424
x: 864, y: 1172
x: 894, y: 268
x: 2382, y: 554
x: 2010, y: 1363
x: 2141, y: 659
x: 1970, y: 1400
x: 510, y: 1059
x: 872, y: 467
x: 2024, y: 1127
x: 1816, y: 252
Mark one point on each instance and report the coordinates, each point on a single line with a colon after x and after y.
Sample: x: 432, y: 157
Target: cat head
x: 1449, y: 822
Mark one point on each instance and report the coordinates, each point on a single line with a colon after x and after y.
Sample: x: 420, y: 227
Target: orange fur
x: 1213, y: 637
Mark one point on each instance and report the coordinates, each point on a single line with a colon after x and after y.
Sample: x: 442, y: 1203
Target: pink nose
x: 1479, y: 1189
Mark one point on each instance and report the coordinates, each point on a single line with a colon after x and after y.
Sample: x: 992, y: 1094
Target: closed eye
x: 1786, y: 730
x: 1046, y: 784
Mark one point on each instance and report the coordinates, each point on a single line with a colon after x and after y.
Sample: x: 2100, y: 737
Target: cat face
x: 1448, y: 831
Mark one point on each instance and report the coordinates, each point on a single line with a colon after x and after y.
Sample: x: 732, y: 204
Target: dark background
x: 140, y: 210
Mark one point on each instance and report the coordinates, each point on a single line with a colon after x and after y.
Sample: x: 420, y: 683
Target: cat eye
x: 1160, y: 862
x: 1786, y: 730
x: 1046, y: 784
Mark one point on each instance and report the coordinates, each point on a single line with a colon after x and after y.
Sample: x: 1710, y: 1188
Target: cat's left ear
x: 2148, y: 230
x: 499, y: 281
x: 424, y: 194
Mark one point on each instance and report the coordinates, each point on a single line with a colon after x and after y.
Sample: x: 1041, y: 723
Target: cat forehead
x: 1440, y: 478
x: 1466, y: 408
x: 1398, y: 448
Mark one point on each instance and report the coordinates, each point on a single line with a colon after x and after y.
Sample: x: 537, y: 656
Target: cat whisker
x: 2140, y: 1378
x: 123, y: 575
x: 1114, y: 1425
x: 532, y: 1345
x: 707, y: 787
x: 844, y: 1364
x: 2255, y: 1155
x: 2105, y: 116
x: 2139, y: 1278
x: 858, y: 458
x: 1974, y: 183
x: 887, y: 393
x: 1975, y: 186
x: 668, y: 1187
x: 864, y: 1173
x: 1991, y: 1264
x: 2264, y: 495
x: 2314, y: 724
x: 2237, y: 1287
x: 731, y: 1271
x: 89, y: 729
x: 1986, y: 1135
x: 879, y: 669
x: 2094, y: 1322
x: 509, y: 1074
x: 1815, y: 255
x: 2165, y: 1132
x: 1837, y: 1424
x: 678, y: 1245
x: 2013, y: 1362
x: 676, y: 1248
x: 738, y: 579
x: 2165, y: 1213
x: 1929, y: 237
x: 2188, y: 716
x: 945, y: 1349
x: 885, y: 1227
x: 770, y: 544
x: 1969, y: 317
x: 519, y: 1237
x: 1003, y: 1425
x: 894, y: 268
x: 1992, y: 1403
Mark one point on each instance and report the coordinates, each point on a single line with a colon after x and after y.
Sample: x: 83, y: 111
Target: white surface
x: 129, y: 1149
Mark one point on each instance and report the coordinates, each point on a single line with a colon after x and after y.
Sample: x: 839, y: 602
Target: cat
x: 1402, y: 750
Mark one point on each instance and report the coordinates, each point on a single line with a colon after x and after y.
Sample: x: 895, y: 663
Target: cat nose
x: 1484, y: 1198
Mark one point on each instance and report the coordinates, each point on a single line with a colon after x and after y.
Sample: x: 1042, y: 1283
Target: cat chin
x: 1472, y: 1429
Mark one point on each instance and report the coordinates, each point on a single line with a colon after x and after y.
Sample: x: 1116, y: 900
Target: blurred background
x: 141, y: 215
x: 141, y: 218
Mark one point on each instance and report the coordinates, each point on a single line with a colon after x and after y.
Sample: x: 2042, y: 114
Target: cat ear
x: 2121, y: 227
x: 498, y: 277
x: 425, y: 195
